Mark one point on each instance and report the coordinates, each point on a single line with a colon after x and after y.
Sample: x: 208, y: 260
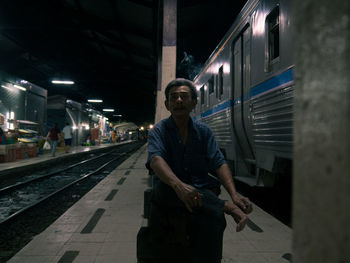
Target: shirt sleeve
x: 215, y: 156
x: 156, y: 146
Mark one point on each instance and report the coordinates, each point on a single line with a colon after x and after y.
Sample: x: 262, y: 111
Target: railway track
x: 26, y: 194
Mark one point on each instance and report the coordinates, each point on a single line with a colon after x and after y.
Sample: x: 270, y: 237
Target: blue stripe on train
x: 272, y: 83
x: 220, y: 107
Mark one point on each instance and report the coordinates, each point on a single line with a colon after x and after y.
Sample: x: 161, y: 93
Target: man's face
x: 180, y: 102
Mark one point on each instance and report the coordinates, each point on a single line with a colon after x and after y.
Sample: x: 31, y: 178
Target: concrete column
x: 321, y: 181
x: 168, y: 62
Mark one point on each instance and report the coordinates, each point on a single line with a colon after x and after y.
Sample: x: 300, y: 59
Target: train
x: 245, y: 93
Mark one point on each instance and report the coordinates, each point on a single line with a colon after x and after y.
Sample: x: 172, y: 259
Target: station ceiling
x: 109, y: 48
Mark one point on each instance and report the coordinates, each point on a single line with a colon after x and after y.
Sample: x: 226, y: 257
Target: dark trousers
x: 209, y: 221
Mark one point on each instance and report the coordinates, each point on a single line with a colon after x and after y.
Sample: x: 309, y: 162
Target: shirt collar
x: 170, y: 124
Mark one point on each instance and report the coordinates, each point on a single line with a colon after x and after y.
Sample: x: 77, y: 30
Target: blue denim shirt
x: 190, y: 163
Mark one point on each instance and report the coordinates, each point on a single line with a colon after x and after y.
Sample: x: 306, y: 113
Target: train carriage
x: 246, y: 93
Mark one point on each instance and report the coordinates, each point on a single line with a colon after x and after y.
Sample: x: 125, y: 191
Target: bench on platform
x: 166, y: 239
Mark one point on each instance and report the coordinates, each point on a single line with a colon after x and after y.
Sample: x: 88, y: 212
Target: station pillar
x: 321, y: 179
x: 167, y: 63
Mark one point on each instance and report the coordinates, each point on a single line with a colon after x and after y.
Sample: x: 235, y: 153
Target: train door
x: 240, y: 94
x: 246, y: 103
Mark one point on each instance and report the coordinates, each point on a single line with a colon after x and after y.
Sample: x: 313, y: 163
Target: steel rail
x: 20, y: 184
x: 19, y: 212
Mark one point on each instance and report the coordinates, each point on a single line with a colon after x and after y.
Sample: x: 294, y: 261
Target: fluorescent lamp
x: 110, y: 110
x: 117, y: 115
x: 15, y: 86
x: 6, y: 87
x: 93, y: 100
x: 65, y: 82
x: 19, y: 87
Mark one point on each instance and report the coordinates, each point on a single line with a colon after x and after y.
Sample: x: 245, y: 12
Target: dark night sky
x: 108, y: 46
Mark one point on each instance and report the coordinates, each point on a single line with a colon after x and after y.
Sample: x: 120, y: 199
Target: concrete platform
x: 102, y: 226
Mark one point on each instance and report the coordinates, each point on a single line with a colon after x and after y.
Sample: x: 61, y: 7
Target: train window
x: 273, y: 26
x: 211, y: 85
x: 221, y: 81
x: 202, y: 95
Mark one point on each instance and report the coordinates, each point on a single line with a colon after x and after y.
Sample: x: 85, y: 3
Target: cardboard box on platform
x: 3, y: 149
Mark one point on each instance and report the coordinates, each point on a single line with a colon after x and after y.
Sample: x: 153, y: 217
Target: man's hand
x: 225, y: 176
x: 186, y: 193
x: 237, y: 214
x: 189, y: 195
x: 243, y: 202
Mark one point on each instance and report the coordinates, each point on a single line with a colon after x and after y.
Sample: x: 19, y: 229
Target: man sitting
x: 182, y: 152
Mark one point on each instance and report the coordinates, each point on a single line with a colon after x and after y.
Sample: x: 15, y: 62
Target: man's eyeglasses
x: 183, y: 95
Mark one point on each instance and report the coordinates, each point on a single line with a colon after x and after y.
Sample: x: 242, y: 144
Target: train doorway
x: 245, y: 163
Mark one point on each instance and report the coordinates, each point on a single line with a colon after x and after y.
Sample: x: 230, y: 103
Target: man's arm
x: 187, y: 193
x: 225, y: 176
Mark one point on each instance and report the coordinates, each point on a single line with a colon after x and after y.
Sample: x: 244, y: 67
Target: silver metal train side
x: 246, y: 93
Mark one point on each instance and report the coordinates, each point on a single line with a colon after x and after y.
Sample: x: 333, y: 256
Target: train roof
x: 237, y: 23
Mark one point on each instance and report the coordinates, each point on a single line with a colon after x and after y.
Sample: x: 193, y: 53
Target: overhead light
x: 19, y: 87
x: 65, y: 82
x: 5, y: 87
x: 110, y: 110
x: 15, y: 86
x: 117, y: 115
x: 93, y: 100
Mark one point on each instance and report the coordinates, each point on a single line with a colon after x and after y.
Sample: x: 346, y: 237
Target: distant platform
x: 46, y: 158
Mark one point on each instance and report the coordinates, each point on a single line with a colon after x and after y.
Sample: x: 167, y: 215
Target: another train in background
x: 246, y: 93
